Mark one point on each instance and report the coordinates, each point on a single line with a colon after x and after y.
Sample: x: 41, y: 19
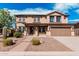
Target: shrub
x: 35, y: 41
x: 7, y: 42
x: 4, y: 33
x: 17, y: 34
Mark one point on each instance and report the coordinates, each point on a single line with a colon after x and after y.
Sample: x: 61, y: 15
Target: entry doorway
x: 31, y: 30
x: 42, y: 29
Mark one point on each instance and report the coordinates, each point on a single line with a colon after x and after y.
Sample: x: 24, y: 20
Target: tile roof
x: 40, y: 13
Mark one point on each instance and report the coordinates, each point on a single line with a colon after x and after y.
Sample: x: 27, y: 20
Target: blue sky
x: 71, y: 9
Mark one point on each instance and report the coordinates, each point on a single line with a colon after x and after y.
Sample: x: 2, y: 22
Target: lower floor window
x: 41, y: 29
x: 21, y: 28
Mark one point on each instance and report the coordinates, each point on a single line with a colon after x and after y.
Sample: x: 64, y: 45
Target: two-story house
x: 51, y: 24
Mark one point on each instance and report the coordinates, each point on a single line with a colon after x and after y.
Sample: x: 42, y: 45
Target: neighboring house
x: 51, y: 24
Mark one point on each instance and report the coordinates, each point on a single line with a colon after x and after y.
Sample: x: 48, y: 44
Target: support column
x: 17, y: 28
x: 72, y: 31
x: 48, y: 31
x: 54, y: 18
x: 25, y: 31
x: 36, y: 31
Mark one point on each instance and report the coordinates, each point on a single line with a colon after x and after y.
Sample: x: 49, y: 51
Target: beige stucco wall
x: 29, y: 19
x: 19, y: 24
x: 64, y: 20
x: 17, y: 19
x: 43, y: 19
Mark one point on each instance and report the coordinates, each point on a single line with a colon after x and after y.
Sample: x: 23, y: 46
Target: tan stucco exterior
x: 45, y: 19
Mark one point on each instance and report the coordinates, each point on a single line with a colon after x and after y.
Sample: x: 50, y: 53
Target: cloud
x: 77, y: 11
x: 29, y: 11
x: 74, y: 21
x: 65, y: 6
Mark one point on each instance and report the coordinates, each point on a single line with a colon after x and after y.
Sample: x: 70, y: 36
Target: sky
x: 72, y: 9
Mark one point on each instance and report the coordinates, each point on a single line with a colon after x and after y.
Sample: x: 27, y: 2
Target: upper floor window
x: 51, y: 18
x: 36, y: 18
x: 58, y: 18
x: 22, y: 19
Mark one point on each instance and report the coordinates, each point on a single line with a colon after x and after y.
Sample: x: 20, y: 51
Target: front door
x: 31, y: 29
x: 42, y: 30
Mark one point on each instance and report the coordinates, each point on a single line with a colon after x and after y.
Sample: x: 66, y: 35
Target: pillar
x: 72, y: 31
x: 55, y: 19
x: 25, y: 31
x: 48, y: 33
x: 36, y: 31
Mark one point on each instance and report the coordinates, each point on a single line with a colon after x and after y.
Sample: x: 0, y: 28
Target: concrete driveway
x: 70, y: 41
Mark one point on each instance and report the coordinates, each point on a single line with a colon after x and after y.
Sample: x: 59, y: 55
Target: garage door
x: 60, y: 32
x: 77, y: 32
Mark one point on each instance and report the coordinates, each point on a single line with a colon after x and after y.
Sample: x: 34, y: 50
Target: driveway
x: 49, y: 44
x: 69, y: 41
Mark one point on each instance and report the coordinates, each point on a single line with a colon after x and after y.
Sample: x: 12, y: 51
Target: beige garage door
x: 60, y: 32
x: 77, y: 32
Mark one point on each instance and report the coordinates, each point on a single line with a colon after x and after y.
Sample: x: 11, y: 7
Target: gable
x: 57, y: 13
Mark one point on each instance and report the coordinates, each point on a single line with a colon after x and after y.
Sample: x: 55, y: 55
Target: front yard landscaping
x: 48, y: 44
x: 35, y: 44
x: 35, y: 41
x: 7, y: 42
x: 9, y: 47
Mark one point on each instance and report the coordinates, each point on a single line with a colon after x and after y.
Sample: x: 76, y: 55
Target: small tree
x: 6, y: 19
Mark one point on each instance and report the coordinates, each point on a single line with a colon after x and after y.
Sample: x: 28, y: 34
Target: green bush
x: 17, y: 34
x: 35, y: 41
x: 7, y: 42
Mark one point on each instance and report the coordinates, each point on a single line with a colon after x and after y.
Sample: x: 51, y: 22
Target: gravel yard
x: 49, y: 44
x: 7, y: 48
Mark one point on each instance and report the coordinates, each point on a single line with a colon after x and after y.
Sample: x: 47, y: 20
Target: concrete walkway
x: 21, y: 47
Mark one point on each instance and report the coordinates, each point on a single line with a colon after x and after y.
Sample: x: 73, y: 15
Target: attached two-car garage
x: 60, y: 31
